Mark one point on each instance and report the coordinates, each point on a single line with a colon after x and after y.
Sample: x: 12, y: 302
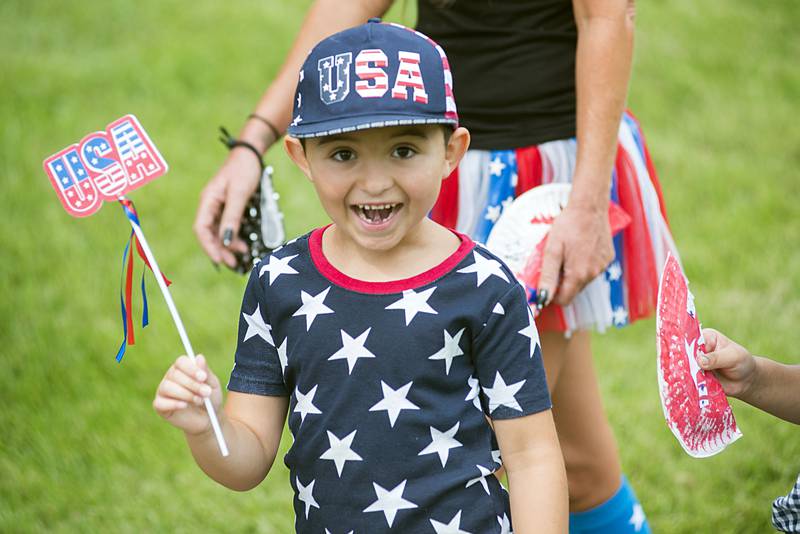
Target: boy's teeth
x: 375, y: 212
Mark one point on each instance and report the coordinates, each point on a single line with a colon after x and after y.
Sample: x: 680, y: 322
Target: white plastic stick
x: 223, y: 447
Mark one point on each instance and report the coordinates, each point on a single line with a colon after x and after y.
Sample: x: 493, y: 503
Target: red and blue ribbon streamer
x: 125, y: 298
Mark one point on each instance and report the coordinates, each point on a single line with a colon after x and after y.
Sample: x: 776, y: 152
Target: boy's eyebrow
x: 405, y: 132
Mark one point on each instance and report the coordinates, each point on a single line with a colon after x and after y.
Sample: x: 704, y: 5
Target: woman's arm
x: 224, y: 197
x: 580, y: 239
x: 536, y: 477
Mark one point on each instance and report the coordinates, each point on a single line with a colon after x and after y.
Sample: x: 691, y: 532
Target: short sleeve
x: 508, y: 359
x: 257, y: 368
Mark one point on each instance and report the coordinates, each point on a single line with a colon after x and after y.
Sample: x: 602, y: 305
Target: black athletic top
x: 513, y: 64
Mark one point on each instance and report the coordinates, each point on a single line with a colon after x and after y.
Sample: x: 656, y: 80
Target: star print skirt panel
x: 485, y: 183
x: 388, y: 392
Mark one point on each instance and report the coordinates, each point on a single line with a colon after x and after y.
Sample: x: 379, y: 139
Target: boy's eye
x: 343, y: 155
x: 403, y: 152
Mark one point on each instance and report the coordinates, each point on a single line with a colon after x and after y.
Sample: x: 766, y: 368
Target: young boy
x: 386, y: 338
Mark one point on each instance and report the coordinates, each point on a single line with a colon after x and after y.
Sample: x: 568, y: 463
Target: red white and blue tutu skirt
x: 486, y: 181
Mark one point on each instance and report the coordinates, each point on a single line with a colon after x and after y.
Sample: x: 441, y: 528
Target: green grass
x: 715, y: 85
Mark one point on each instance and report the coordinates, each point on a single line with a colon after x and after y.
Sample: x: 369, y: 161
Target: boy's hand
x: 179, y: 397
x: 733, y: 365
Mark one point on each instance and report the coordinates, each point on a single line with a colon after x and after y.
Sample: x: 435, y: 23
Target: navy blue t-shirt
x: 389, y: 386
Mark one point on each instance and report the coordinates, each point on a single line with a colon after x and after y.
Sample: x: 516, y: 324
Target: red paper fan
x: 695, y: 406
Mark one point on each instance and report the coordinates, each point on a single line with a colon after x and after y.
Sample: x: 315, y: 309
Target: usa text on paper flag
x: 695, y: 406
x: 104, y: 166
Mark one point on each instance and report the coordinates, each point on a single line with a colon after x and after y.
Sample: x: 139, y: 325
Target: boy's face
x: 378, y: 184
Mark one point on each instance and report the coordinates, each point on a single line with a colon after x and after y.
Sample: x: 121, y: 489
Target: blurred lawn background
x: 716, y: 85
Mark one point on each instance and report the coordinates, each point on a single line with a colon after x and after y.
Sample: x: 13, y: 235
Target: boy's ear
x: 297, y: 153
x: 456, y: 147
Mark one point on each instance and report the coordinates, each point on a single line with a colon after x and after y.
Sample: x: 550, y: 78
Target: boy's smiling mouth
x: 376, y: 213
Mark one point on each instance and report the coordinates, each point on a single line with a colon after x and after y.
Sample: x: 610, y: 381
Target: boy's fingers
x: 163, y: 404
x: 186, y: 381
x: 170, y: 390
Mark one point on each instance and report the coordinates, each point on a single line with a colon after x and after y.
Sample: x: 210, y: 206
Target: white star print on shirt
x: 329, y: 532
x: 313, y: 306
x: 498, y: 309
x: 389, y: 502
x: 474, y: 392
x: 276, y: 267
x: 394, y: 401
x: 441, y: 443
x: 481, y: 479
x: 450, y: 350
x: 505, y: 524
x: 484, y: 268
x: 282, y: 356
x: 507, y: 203
x: 531, y: 333
x: 637, y: 517
x: 305, y: 403
x: 257, y: 327
x: 501, y: 394
x: 340, y: 451
x: 352, y: 349
x: 413, y: 303
x: 305, y: 494
x: 453, y: 527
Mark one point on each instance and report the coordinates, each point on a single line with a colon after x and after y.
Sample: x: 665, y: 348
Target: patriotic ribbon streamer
x: 127, y: 273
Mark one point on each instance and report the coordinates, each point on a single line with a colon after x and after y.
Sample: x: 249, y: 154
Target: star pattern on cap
x: 340, y: 451
x: 531, y: 333
x: 502, y: 394
x: 306, y: 494
x: 484, y: 268
x: 450, y: 350
x: 313, y: 306
x: 352, y: 349
x: 394, y: 401
x: 390, y: 501
x: 277, y: 266
x: 257, y: 327
x: 481, y: 479
x: 453, y: 527
x: 413, y: 303
x: 305, y: 403
x: 441, y: 443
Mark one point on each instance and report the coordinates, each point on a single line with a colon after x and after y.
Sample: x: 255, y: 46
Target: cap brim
x: 352, y: 124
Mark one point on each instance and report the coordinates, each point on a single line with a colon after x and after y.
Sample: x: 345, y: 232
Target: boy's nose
x: 375, y: 180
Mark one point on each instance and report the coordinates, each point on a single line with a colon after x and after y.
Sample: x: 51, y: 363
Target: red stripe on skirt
x: 529, y: 169
x: 445, y: 211
x: 651, y: 169
x: 642, y: 281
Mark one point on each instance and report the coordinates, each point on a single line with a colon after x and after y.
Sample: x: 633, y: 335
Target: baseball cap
x: 372, y: 76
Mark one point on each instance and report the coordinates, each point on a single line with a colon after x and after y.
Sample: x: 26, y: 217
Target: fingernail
x: 227, y: 237
x: 201, y: 376
x: 704, y: 360
x: 205, y: 390
x: 541, y: 298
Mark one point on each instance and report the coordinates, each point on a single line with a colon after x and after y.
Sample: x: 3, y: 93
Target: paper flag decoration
x: 695, y: 406
x: 520, y: 236
x: 104, y: 166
